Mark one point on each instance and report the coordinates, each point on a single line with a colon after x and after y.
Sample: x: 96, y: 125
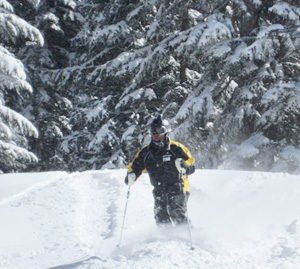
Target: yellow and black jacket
x: 160, y: 164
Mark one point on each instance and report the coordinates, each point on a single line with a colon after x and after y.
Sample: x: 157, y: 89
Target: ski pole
x: 124, y: 216
x: 188, y: 223
x: 187, y: 216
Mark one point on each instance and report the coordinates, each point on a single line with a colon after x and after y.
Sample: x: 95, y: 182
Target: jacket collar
x: 167, y: 145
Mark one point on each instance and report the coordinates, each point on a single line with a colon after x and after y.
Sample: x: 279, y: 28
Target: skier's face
x: 158, y: 137
x: 158, y: 134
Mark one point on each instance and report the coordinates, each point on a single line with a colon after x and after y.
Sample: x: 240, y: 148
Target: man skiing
x: 168, y: 163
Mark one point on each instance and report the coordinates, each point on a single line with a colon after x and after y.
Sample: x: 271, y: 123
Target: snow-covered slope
x: 240, y: 220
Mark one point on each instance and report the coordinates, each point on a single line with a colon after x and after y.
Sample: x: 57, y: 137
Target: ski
x: 77, y: 262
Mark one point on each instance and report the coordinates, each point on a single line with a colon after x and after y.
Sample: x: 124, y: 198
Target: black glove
x: 130, y: 179
x: 183, y: 168
x: 190, y: 169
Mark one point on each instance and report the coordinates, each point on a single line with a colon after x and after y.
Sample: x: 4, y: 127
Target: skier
x: 168, y: 163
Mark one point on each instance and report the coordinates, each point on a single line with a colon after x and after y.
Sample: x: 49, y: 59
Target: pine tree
x: 59, y: 21
x: 224, y: 72
x: 14, y: 128
x: 127, y: 69
x: 252, y: 80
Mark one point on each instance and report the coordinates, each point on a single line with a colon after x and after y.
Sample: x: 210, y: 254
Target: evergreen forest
x: 81, y: 81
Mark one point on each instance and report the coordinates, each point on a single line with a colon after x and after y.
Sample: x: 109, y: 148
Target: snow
x: 98, y: 111
x: 195, y: 15
x: 147, y: 93
x: 126, y: 62
x: 197, y: 104
x: 12, y: 83
x: 140, y: 42
x: 134, y: 13
x: 14, y: 27
x: 6, y: 5
x: 110, y: 34
x: 250, y: 147
x: 69, y: 3
x: 103, y: 134
x: 239, y: 220
x: 14, y: 184
x: 291, y: 153
x: 51, y: 17
x: 5, y: 132
x: 215, y: 31
x: 14, y: 153
x: 221, y: 50
x: 286, y: 11
x: 10, y: 65
x: 35, y: 3
x: 257, y: 3
x: 128, y: 134
x: 24, y: 126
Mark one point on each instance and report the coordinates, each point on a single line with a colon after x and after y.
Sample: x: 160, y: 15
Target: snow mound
x: 59, y: 220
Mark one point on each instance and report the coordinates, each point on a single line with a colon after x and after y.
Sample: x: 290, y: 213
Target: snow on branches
x: 6, y: 6
x: 14, y: 128
x: 225, y: 73
x: 13, y: 28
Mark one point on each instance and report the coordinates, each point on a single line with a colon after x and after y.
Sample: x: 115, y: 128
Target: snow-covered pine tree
x: 59, y: 21
x: 251, y: 88
x: 224, y: 72
x: 14, y: 128
x: 129, y: 66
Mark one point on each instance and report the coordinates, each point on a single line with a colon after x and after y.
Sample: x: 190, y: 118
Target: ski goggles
x: 159, y: 130
x: 158, y: 134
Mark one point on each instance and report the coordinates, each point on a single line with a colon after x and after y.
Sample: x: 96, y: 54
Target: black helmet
x: 159, y: 126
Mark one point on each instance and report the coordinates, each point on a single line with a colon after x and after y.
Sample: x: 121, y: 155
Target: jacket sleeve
x: 190, y: 160
x: 137, y: 165
x: 186, y: 155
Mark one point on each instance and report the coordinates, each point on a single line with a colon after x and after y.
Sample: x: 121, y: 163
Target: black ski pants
x: 170, y: 205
